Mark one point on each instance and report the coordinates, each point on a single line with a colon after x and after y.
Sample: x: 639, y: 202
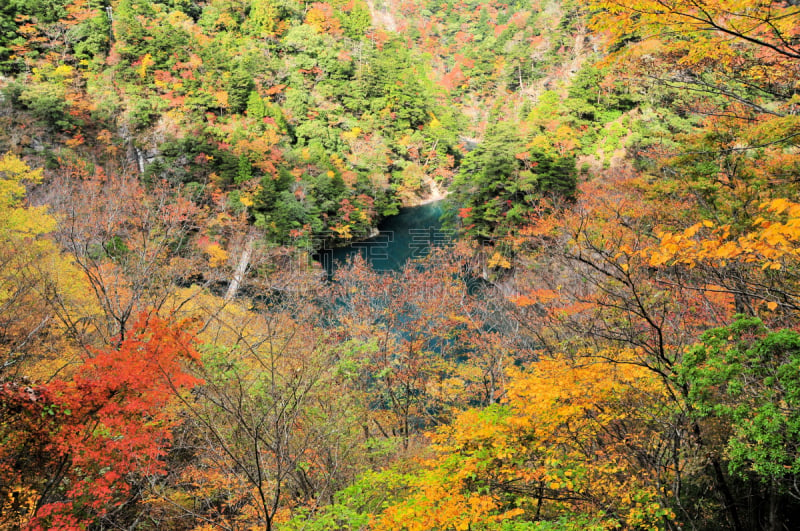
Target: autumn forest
x: 608, y: 338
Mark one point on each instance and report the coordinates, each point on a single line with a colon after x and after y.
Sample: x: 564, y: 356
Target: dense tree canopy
x: 603, y: 336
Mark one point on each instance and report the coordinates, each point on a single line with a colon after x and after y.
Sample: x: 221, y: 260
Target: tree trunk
x: 241, y: 269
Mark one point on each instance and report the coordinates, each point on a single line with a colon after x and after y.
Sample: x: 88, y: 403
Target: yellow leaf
x: 498, y: 260
x: 216, y: 255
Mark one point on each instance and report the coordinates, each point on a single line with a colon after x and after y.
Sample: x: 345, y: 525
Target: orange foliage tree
x: 75, y: 451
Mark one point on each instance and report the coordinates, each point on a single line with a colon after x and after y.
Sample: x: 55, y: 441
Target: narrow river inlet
x: 408, y: 235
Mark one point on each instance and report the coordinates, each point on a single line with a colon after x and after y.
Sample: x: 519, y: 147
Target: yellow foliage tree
x: 571, y: 443
x: 36, y: 283
x: 721, y: 26
x: 771, y: 245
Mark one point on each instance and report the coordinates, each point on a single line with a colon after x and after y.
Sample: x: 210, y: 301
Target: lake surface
x: 408, y: 235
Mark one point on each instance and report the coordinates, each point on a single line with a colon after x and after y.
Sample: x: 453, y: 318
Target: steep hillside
x: 605, y: 335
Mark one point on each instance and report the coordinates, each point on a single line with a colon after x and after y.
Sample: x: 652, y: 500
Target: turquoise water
x: 408, y: 235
